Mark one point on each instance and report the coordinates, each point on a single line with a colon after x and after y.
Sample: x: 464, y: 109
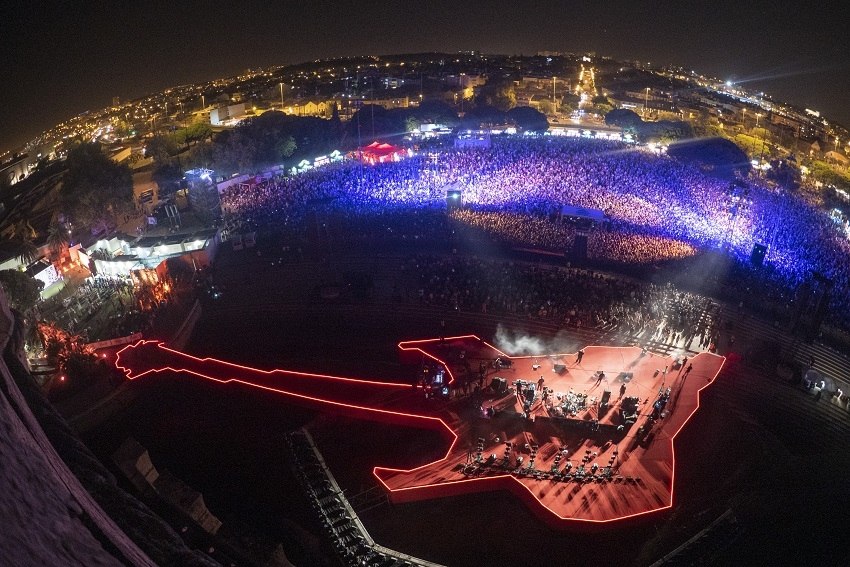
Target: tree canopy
x: 437, y: 112
x: 21, y: 289
x: 718, y: 155
x: 829, y: 175
x: 373, y: 122
x: 784, y: 173
x: 528, y: 119
x: 623, y: 118
x: 273, y: 138
x: 569, y: 102
x: 499, y: 93
x: 95, y: 188
x: 481, y: 115
x: 663, y: 131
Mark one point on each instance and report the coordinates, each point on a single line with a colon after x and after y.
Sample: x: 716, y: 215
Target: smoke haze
x: 517, y: 342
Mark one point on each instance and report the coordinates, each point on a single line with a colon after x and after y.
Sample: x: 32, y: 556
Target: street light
x: 645, y: 102
x: 758, y: 115
x: 281, y: 96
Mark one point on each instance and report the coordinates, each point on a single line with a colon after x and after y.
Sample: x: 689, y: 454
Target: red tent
x: 379, y: 153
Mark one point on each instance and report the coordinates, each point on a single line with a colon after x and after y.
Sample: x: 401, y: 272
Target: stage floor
x: 572, y: 458
x: 624, y: 469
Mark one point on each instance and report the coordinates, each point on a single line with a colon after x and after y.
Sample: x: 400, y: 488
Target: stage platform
x: 609, y: 468
x: 571, y: 457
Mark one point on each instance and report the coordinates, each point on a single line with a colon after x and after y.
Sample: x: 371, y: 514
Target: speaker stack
x: 557, y: 464
x: 532, y: 456
x: 508, y: 447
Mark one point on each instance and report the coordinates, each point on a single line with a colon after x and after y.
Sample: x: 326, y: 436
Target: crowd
x: 658, y: 208
x: 105, y: 307
x: 82, y: 308
x: 568, y: 296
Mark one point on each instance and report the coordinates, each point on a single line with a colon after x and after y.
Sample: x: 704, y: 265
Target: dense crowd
x: 658, y: 208
x: 77, y: 310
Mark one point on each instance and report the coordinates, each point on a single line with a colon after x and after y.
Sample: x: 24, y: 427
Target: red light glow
x: 366, y: 399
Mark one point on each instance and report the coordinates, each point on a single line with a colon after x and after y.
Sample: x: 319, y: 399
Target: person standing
x: 579, y: 356
x: 599, y: 378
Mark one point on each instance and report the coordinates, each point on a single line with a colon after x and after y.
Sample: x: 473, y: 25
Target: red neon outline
x: 417, y: 419
x: 127, y: 371
x: 543, y: 507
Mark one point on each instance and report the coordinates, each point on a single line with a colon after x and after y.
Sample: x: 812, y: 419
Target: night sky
x: 60, y: 58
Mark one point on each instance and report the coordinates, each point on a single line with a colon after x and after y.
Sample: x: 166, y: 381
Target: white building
x: 228, y: 115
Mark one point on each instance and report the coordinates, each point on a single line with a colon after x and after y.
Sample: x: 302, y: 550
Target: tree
x: 57, y: 236
x: 167, y: 176
x: 436, y: 112
x: 162, y: 148
x: 23, y: 230
x: 830, y: 175
x: 273, y: 138
x: 482, y: 115
x: 546, y: 107
x: 761, y: 133
x: 22, y: 290
x: 74, y: 359
x: 412, y: 124
x: 784, y: 173
x: 372, y: 122
x: 197, y: 131
x: 528, y: 119
x: 665, y: 131
x: 718, y: 155
x: 623, y: 118
x: 601, y: 104
x: 95, y: 189
x: 499, y: 93
x: 285, y: 148
x: 25, y: 251
x: 200, y: 156
x: 570, y: 102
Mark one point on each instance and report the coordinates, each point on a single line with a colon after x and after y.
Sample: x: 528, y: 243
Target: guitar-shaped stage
x: 589, y: 440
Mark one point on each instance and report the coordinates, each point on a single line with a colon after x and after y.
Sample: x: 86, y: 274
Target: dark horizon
x: 63, y: 59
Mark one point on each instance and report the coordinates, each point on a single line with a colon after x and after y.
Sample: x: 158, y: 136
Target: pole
x: 281, y: 97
